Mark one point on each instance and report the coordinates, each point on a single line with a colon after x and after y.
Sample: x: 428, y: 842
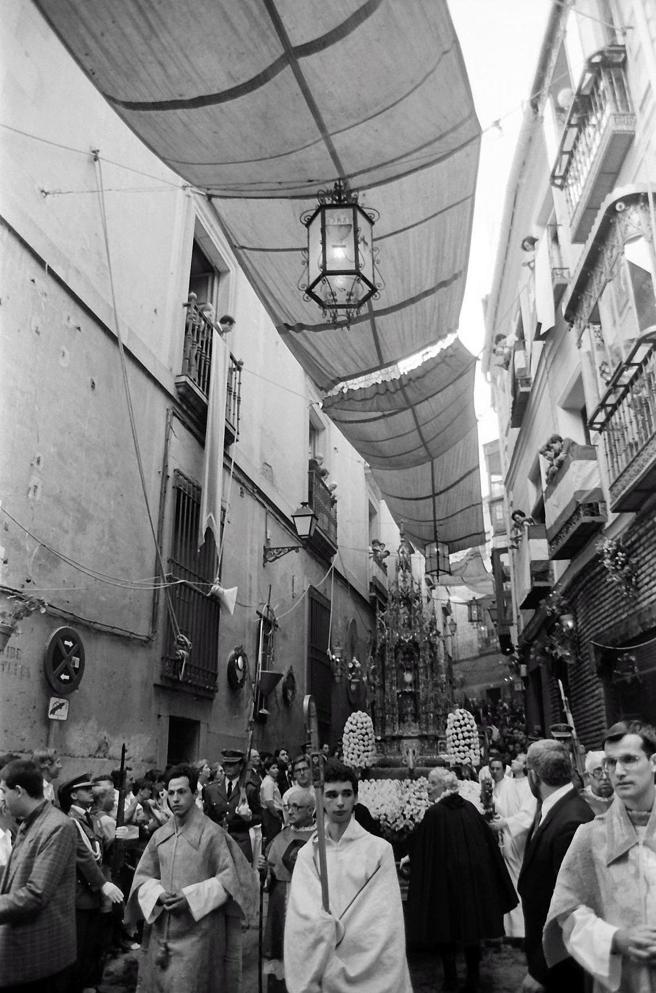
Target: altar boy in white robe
x: 360, y: 944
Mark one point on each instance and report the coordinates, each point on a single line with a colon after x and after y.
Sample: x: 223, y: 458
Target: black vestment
x: 459, y: 885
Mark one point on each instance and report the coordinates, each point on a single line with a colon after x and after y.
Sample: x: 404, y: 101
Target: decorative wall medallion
x: 237, y: 668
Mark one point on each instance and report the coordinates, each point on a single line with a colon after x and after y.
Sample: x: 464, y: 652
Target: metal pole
x: 316, y: 763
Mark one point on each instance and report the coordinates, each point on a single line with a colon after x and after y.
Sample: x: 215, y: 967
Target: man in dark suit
x: 560, y: 812
x: 234, y: 801
x: 37, y: 888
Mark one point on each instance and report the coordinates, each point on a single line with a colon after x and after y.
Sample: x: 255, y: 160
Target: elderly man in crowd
x: 279, y: 863
x: 459, y: 886
x: 560, y: 812
x: 603, y: 911
x: 599, y: 791
x: 37, y: 888
x: 191, y: 887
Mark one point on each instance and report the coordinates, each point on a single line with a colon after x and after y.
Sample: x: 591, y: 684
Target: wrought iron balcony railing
x: 193, y: 383
x: 598, y: 132
x: 323, y: 504
x: 520, y: 387
x: 534, y: 571
x: 573, y: 502
x: 626, y: 416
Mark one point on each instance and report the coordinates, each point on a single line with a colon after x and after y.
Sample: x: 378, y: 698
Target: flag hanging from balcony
x: 210, y: 505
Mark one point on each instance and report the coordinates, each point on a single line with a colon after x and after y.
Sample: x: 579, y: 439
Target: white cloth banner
x: 210, y: 504
x: 544, y: 294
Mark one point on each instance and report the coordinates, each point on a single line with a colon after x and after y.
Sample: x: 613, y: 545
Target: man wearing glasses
x: 279, y: 864
x: 302, y: 776
x: 603, y: 911
x: 598, y: 794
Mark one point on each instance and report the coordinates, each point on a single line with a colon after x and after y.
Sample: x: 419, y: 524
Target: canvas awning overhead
x: 262, y: 103
x: 419, y: 435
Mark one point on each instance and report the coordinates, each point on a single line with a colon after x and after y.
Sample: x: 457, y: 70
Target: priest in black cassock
x: 459, y: 886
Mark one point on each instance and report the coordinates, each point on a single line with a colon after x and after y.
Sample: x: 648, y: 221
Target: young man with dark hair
x: 37, y: 888
x: 359, y: 943
x: 191, y: 888
x: 603, y: 911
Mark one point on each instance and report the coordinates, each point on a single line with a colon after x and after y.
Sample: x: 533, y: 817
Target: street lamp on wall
x: 340, y: 258
x: 305, y: 522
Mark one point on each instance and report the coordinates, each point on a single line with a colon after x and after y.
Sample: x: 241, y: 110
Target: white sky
x: 500, y: 41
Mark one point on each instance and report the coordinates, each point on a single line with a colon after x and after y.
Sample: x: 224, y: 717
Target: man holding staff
x: 358, y: 942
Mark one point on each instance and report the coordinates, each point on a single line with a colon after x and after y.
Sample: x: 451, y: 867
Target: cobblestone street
x: 502, y: 970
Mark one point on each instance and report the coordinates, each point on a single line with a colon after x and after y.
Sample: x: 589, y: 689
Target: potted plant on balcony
x: 17, y: 607
x: 618, y: 566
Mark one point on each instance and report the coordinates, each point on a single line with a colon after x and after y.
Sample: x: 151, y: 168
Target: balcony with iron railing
x: 324, y: 505
x: 626, y: 416
x: 573, y: 501
x: 533, y: 569
x: 520, y: 386
x: 559, y: 271
x: 596, y: 138
x: 377, y: 574
x: 193, y: 383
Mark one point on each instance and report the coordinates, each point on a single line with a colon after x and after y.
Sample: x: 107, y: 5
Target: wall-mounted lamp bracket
x: 272, y: 552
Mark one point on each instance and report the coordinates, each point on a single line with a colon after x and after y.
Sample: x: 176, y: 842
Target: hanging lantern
x: 341, y: 270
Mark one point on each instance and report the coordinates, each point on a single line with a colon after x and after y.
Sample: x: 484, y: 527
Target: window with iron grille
x: 197, y: 614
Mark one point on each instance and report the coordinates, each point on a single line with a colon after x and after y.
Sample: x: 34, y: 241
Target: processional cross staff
x: 316, y: 764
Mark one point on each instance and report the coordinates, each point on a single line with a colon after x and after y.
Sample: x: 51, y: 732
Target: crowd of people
x: 503, y: 725
x: 175, y: 863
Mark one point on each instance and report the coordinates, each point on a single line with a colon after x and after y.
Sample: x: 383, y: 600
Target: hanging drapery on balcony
x: 469, y: 572
x: 263, y: 102
x: 419, y: 435
x: 212, y: 491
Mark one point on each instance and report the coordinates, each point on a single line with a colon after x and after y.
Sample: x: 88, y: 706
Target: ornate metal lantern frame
x: 341, y: 272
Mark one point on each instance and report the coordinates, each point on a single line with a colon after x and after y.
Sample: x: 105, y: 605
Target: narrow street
x: 502, y: 970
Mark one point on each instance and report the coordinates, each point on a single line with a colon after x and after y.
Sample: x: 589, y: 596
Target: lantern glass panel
x: 315, y: 251
x: 364, y: 243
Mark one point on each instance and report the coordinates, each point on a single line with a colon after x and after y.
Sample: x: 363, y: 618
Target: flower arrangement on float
x: 399, y: 805
x: 358, y: 741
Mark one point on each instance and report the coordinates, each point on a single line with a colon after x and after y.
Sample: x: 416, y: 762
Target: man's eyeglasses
x: 297, y: 806
x: 599, y: 773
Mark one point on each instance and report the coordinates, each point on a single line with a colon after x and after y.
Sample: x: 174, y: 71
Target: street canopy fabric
x: 442, y: 495
x: 262, y: 103
x: 418, y: 433
x: 470, y: 572
x: 421, y: 415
